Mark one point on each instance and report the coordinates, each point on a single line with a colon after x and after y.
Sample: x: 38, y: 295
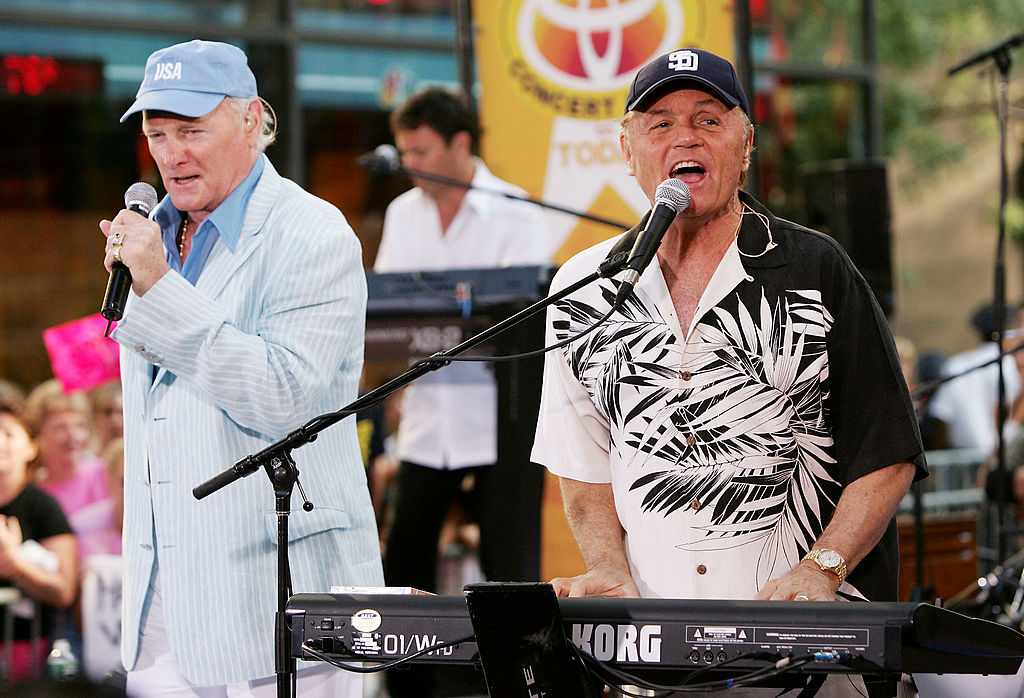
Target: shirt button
x: 695, y: 504
x: 687, y: 375
x: 691, y: 440
x: 701, y: 569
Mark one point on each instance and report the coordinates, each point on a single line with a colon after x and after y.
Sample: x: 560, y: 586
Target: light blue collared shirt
x: 225, y: 223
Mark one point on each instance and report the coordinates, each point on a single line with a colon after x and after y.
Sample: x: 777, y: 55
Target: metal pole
x: 872, y: 101
x: 745, y: 68
x: 464, y: 46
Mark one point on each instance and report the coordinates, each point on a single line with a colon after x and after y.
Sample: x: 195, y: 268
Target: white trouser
x: 156, y: 673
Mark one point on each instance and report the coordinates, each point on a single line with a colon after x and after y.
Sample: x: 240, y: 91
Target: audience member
x: 907, y: 351
x: 11, y: 392
x: 98, y: 525
x: 37, y: 548
x: 65, y: 468
x: 98, y: 528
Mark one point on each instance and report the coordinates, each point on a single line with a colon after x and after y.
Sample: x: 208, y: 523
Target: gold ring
x: 117, y: 253
x: 118, y: 238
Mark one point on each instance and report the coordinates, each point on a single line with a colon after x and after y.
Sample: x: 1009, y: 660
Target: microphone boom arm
x: 394, y: 168
x: 997, y: 52
x: 278, y: 453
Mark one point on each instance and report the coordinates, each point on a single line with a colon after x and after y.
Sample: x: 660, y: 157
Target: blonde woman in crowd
x: 65, y: 466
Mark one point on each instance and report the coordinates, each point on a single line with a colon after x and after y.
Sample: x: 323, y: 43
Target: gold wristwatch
x: 829, y: 561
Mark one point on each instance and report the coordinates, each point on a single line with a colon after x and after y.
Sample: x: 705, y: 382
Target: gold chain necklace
x: 182, y: 237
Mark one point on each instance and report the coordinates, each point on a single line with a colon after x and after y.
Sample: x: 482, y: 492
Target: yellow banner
x: 554, y: 76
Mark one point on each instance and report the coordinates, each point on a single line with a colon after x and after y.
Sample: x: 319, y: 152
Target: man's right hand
x: 141, y: 248
x: 600, y: 581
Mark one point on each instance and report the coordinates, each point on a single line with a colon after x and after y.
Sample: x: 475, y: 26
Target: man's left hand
x: 805, y: 582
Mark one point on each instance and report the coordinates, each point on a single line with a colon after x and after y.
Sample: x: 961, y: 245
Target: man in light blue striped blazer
x: 246, y: 320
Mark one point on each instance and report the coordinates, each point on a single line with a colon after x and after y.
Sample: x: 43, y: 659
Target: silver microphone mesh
x: 141, y: 195
x: 388, y: 153
x: 673, y: 193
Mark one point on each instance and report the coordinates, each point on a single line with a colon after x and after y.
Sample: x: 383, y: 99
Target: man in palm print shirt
x: 740, y: 427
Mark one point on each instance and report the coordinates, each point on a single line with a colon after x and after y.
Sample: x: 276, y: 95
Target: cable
x: 325, y: 657
x: 759, y: 656
x: 782, y: 665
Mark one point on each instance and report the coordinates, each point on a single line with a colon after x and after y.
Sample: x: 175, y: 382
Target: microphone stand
x: 1000, y: 54
x: 276, y: 459
x: 380, y: 165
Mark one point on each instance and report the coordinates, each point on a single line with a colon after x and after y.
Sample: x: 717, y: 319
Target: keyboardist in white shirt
x: 449, y: 418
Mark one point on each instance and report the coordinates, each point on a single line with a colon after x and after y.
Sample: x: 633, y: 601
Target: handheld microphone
x: 383, y: 159
x: 141, y: 198
x: 671, y: 197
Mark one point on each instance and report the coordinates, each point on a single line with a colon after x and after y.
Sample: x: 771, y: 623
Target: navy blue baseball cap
x: 193, y: 78
x: 713, y: 74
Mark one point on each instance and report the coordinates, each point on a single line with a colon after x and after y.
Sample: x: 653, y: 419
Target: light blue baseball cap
x: 192, y: 78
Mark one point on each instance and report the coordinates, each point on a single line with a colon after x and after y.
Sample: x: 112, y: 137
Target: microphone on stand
x: 671, y: 197
x: 384, y: 159
x: 141, y: 198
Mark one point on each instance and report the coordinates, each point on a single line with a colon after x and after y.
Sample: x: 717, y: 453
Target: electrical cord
x: 780, y: 665
x: 329, y: 658
x: 609, y: 674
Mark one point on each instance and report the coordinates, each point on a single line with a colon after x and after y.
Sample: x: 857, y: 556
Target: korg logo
x: 167, y: 71
x: 622, y: 643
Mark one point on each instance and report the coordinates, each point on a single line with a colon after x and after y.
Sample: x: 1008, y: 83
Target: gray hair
x: 268, y: 130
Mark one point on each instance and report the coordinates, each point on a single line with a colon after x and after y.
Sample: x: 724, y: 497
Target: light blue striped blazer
x: 270, y: 336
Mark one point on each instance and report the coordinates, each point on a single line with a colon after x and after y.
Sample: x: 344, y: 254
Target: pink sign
x: 81, y: 357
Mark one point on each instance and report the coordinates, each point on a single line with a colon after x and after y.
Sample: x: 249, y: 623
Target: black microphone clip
x: 617, y: 257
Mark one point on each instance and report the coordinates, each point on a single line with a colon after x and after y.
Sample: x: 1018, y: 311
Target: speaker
x: 849, y: 200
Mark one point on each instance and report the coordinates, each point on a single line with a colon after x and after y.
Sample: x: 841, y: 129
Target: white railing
x: 951, y: 484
